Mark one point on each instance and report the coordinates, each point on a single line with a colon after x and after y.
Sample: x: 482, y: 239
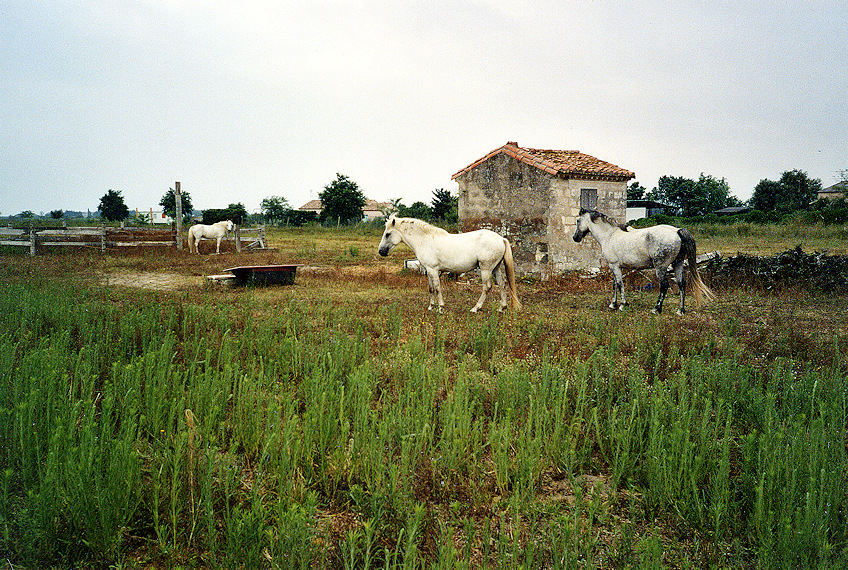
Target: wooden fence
x: 108, y: 238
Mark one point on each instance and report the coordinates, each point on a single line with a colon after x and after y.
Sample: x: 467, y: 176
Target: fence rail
x: 106, y: 238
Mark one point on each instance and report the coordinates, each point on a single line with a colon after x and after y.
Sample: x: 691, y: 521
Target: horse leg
x: 663, y: 279
x: 681, y: 284
x: 617, y: 287
x: 486, y: 275
x: 500, y: 279
x: 435, y: 289
x: 218, y: 248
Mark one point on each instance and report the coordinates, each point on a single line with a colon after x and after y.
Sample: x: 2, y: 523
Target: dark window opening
x: 589, y: 198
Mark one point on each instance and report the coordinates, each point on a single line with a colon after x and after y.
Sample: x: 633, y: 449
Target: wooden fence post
x: 102, y: 237
x: 178, y: 202
x: 31, y: 239
x: 237, y: 236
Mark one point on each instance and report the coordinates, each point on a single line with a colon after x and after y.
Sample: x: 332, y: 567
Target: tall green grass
x: 228, y: 435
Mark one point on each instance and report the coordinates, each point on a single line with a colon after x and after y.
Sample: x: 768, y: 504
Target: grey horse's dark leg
x: 681, y: 284
x: 663, y: 279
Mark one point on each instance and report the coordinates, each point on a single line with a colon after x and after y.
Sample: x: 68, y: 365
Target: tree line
x: 793, y: 191
x: 343, y: 202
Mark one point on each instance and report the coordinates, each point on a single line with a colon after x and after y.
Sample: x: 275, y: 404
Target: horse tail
x: 509, y: 265
x: 701, y: 292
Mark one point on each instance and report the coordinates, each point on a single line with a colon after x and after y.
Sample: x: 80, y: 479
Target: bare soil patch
x: 157, y: 281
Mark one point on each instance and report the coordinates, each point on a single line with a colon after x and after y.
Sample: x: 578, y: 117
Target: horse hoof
x: 680, y: 313
x: 621, y: 307
x: 441, y: 310
x: 655, y: 312
x: 473, y: 309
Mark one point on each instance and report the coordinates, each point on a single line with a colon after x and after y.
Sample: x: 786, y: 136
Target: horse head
x: 230, y: 225
x: 391, y: 236
x: 582, y: 224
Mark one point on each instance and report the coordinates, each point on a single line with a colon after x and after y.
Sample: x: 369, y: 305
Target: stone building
x: 533, y: 197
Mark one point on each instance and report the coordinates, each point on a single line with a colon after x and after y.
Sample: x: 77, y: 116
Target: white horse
x: 659, y: 247
x: 216, y: 231
x: 438, y: 250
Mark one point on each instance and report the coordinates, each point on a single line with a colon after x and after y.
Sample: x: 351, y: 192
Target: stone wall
x: 536, y: 211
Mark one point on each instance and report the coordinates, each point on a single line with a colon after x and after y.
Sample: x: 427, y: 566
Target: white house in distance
x: 371, y: 211
x: 153, y: 216
x: 834, y: 192
x: 638, y: 209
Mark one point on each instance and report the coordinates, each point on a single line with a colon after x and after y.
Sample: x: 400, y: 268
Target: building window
x: 589, y: 198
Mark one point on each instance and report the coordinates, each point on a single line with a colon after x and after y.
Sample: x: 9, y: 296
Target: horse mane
x: 596, y: 215
x: 420, y: 226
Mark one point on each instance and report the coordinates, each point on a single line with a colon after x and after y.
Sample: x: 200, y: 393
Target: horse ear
x: 393, y: 220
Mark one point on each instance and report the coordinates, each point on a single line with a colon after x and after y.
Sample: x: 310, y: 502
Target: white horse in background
x: 437, y: 250
x: 659, y: 247
x: 215, y: 231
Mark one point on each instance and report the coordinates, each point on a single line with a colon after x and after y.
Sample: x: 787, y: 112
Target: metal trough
x: 264, y: 274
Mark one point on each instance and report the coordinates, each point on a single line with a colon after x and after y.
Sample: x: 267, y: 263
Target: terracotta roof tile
x: 554, y: 162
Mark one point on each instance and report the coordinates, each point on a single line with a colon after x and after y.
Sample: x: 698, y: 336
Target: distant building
x: 732, y: 210
x: 638, y: 209
x: 312, y: 206
x: 371, y: 211
x: 834, y: 192
x: 153, y: 216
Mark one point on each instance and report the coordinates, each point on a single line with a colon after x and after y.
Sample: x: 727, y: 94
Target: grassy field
x: 148, y: 419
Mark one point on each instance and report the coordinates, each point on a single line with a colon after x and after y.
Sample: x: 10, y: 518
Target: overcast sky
x: 247, y: 99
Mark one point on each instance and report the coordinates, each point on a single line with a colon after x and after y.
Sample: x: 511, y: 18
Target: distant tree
x: 672, y: 190
x: 275, y: 209
x: 766, y: 195
x: 444, y: 206
x: 692, y: 198
x: 299, y: 218
x: 26, y: 214
x: 341, y: 201
x: 794, y: 191
x: 57, y: 214
x: 169, y: 204
x: 799, y: 189
x: 708, y: 195
x: 418, y: 210
x: 733, y: 202
x: 635, y: 191
x: 112, y: 207
x: 237, y: 213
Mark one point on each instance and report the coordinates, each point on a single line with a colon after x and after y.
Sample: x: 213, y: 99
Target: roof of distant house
x: 647, y: 204
x: 733, y: 210
x: 838, y: 188
x: 567, y: 163
x: 370, y: 205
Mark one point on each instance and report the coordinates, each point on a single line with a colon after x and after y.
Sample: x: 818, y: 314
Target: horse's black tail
x: 702, y: 293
